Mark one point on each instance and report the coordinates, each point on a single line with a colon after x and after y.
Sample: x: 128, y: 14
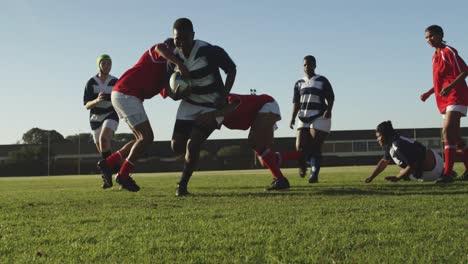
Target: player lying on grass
x: 259, y: 113
x: 146, y: 79
x: 417, y: 162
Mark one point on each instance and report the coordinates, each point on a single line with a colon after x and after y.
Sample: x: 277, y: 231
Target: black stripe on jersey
x: 211, y: 105
x: 312, y: 106
x: 207, y: 89
x: 310, y: 119
x: 200, y: 73
x: 96, y: 124
x: 112, y: 82
x: 101, y: 111
x: 312, y: 91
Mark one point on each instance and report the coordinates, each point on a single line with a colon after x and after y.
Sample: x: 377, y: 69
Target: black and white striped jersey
x: 103, y: 110
x: 404, y: 151
x: 203, y: 63
x: 310, y: 95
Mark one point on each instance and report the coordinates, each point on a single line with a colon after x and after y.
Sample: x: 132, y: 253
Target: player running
x: 451, y: 92
x: 312, y: 104
x: 146, y: 79
x: 204, y: 61
x: 102, y: 116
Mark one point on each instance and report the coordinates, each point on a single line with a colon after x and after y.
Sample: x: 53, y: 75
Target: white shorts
x: 188, y: 111
x: 456, y: 108
x: 110, y: 123
x: 271, y: 107
x: 435, y: 173
x: 129, y: 108
x: 321, y: 123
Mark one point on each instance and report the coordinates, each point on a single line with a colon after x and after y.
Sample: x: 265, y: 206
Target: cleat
x: 128, y: 184
x: 445, y: 179
x: 278, y: 185
x: 181, y: 190
x: 313, y: 179
x: 106, y: 174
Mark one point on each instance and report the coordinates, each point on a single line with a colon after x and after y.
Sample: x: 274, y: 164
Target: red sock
x: 269, y: 160
x: 126, y: 168
x: 114, y: 159
x: 450, y: 152
x: 290, y: 155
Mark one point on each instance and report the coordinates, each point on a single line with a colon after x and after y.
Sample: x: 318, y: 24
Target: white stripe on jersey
x: 103, y: 88
x: 151, y: 55
x: 209, y: 79
x: 395, y: 159
x: 310, y: 98
x: 193, y: 64
x: 454, y: 58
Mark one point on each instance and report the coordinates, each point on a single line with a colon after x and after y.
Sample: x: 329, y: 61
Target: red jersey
x: 446, y: 66
x: 245, y: 113
x: 147, y: 78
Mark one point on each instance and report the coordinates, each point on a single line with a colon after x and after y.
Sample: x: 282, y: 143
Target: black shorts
x: 185, y: 127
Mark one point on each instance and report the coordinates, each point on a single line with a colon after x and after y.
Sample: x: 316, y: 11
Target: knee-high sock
x: 315, y: 162
x: 269, y: 160
x: 288, y: 155
x: 186, y: 174
x: 450, y: 152
x: 114, y: 159
x: 126, y: 168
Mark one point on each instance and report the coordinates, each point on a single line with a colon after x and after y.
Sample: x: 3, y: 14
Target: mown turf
x: 231, y: 219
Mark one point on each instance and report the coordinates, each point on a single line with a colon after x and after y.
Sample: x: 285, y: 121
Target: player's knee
x: 193, y: 147
x: 105, y: 144
x: 177, y: 146
x: 147, y: 138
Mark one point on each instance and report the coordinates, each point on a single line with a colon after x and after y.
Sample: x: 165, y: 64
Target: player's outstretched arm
x: 381, y: 166
x: 403, y: 173
x: 427, y: 94
x: 166, y: 53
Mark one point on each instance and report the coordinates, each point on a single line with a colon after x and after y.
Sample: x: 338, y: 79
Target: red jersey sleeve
x: 458, y: 65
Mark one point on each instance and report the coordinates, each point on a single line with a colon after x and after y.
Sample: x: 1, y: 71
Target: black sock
x: 185, y: 178
x: 106, y: 154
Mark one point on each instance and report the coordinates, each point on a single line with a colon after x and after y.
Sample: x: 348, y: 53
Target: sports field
x: 231, y: 219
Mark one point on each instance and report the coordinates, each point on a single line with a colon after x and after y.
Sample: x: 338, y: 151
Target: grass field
x: 231, y: 219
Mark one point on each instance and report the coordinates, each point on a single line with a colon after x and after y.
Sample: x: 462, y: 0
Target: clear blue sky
x: 373, y: 52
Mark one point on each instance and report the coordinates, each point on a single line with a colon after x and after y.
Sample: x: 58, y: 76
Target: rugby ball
x: 180, y: 87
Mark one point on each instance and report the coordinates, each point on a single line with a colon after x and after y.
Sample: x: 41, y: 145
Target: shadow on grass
x: 308, y: 190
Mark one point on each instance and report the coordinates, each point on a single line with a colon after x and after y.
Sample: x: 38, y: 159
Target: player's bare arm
x: 403, y: 173
x: 229, y: 83
x: 446, y: 90
x: 91, y: 104
x: 293, y: 115
x: 168, y: 55
x: 378, y: 169
x: 427, y: 94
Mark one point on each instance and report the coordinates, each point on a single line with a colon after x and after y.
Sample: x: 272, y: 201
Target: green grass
x: 230, y: 218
